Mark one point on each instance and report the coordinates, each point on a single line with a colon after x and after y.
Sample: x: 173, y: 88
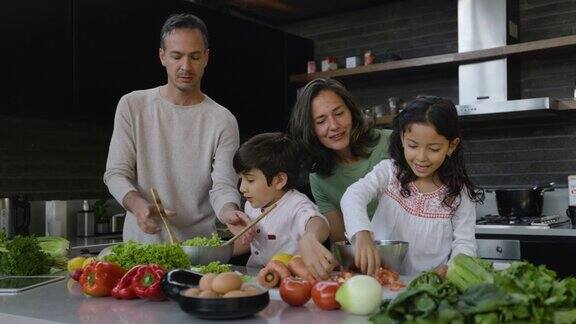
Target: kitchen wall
x: 47, y: 159
x: 501, y: 152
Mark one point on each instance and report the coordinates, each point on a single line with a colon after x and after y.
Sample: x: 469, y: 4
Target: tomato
x: 295, y: 291
x: 324, y: 295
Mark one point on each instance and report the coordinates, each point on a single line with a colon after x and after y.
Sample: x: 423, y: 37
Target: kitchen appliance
x: 488, y: 87
x: 85, y: 217
x: 14, y: 215
x: 520, y: 202
x: 117, y: 223
x: 550, y: 221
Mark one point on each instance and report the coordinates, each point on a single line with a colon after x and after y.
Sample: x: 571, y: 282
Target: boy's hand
x: 366, y: 256
x: 319, y: 261
x: 236, y: 221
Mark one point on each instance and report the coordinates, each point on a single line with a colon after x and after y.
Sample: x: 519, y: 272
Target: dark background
x: 67, y: 63
x: 54, y: 144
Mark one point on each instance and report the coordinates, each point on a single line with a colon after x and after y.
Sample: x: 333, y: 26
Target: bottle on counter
x: 85, y: 220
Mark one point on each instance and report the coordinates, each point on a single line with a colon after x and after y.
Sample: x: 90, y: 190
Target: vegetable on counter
x: 295, y: 291
x: 324, y: 294
x: 213, y: 241
x: 100, y: 277
x: 57, y: 248
x: 212, y: 267
x: 272, y: 274
x: 298, y: 268
x: 23, y: 256
x: 466, y: 271
x: 473, y: 292
x: 360, y: 295
x: 123, y: 289
x: 146, y: 282
x: 130, y: 254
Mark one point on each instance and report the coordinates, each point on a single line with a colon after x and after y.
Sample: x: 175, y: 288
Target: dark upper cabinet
x: 75, y: 62
x: 36, y: 56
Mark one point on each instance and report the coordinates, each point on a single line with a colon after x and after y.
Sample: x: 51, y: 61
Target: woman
x: 340, y: 148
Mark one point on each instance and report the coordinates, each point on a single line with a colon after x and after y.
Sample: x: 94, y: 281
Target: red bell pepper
x: 123, y: 289
x: 146, y: 282
x: 99, y: 278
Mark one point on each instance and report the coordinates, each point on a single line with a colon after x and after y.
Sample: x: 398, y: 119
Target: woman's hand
x: 366, y: 256
x: 319, y: 261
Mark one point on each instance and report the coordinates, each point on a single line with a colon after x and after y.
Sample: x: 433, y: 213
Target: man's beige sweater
x: 185, y: 152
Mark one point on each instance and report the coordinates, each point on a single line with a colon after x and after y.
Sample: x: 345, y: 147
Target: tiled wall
x: 501, y: 152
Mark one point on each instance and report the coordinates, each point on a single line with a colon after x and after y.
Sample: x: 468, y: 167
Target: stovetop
x: 543, y: 221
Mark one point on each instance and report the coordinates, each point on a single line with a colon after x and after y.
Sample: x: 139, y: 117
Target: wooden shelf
x: 444, y: 59
x: 558, y: 105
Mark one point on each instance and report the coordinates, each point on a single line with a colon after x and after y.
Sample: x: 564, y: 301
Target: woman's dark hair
x: 442, y: 115
x: 270, y: 153
x: 188, y: 21
x: 318, y: 158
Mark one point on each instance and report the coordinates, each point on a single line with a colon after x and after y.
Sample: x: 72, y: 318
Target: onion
x: 360, y: 295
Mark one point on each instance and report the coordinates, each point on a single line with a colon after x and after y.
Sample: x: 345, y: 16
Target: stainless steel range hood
x: 492, y: 86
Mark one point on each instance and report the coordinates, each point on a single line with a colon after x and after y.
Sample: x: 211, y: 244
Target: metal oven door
x: 499, y: 250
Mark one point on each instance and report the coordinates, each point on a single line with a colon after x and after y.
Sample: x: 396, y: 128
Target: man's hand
x: 146, y: 214
x: 237, y: 221
x: 319, y: 261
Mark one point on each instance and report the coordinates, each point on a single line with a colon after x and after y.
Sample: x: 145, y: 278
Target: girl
x: 425, y: 195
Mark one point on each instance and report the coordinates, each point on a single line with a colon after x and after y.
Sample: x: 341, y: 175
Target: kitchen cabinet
x: 73, y: 60
x: 36, y: 58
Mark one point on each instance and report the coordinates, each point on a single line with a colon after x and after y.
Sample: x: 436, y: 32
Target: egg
x: 250, y: 290
x: 190, y: 292
x: 206, y: 281
x: 226, y: 282
x: 234, y: 294
x: 208, y: 294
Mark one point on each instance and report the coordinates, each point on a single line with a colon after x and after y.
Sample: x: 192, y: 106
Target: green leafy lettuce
x: 130, y: 253
x: 213, y: 241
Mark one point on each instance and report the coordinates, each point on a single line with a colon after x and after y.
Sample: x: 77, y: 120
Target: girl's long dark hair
x: 442, y: 115
x: 318, y: 158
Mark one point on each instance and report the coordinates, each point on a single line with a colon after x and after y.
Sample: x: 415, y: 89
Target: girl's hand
x: 366, y: 256
x: 319, y: 261
x: 441, y: 270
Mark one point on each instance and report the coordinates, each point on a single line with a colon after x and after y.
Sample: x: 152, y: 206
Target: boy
x: 268, y: 165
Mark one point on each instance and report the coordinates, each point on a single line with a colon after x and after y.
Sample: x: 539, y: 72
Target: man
x: 176, y: 139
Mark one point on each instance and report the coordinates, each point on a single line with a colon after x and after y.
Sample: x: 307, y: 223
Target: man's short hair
x: 271, y: 153
x: 189, y: 21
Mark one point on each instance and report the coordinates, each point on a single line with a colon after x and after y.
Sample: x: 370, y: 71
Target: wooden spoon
x: 254, y: 222
x: 163, y: 215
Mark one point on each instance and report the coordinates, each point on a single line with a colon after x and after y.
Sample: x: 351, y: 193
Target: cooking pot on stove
x: 520, y: 202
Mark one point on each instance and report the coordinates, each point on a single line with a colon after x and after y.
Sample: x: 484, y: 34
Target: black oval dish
x: 177, y: 280
x: 224, y: 308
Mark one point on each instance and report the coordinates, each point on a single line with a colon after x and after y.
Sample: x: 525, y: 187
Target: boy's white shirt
x: 282, y: 228
x: 433, y: 238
